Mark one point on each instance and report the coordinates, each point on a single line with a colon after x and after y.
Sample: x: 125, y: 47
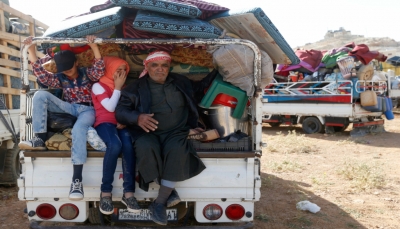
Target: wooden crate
x: 10, y: 45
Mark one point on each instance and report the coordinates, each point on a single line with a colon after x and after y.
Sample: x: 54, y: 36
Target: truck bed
x: 218, y: 178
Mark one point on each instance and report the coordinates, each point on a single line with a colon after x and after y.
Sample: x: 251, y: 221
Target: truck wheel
x: 12, y: 167
x: 94, y: 215
x: 274, y: 124
x: 340, y: 128
x: 312, y: 125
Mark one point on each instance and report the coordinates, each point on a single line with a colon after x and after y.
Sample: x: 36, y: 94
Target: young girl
x: 105, y: 95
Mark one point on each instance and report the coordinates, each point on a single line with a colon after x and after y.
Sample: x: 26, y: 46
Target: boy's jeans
x: 44, y: 101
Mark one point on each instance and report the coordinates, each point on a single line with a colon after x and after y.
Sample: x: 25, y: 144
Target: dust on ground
x: 355, y: 181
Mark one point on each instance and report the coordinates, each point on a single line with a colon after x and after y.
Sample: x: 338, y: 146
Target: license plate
x: 144, y: 215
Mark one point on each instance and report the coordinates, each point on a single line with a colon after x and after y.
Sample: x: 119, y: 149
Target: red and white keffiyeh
x: 154, y: 56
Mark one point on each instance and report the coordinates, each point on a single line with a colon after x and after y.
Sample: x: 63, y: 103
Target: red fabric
x: 311, y: 57
x: 350, y: 45
x: 112, y: 63
x: 76, y: 50
x: 130, y: 32
x: 103, y: 115
x: 362, y: 53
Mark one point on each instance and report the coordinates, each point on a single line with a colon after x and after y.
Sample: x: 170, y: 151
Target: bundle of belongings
x: 167, y: 19
x: 317, y: 65
x: 351, y: 66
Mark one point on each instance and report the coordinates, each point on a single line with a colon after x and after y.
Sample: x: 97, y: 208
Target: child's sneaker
x: 131, y: 203
x: 34, y: 144
x: 106, y: 205
x: 76, y: 192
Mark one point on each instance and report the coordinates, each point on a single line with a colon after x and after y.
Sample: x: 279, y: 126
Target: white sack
x: 236, y: 65
x: 306, y: 205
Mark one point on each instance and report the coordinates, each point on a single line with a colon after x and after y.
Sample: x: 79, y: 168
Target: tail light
x: 69, y: 211
x: 212, y: 212
x: 234, y: 212
x: 46, y: 211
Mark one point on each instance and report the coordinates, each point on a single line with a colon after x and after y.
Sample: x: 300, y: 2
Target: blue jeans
x: 117, y: 142
x: 44, y: 101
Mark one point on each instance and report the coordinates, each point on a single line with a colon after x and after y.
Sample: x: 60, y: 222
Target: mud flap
x: 364, y: 130
x: 3, y: 153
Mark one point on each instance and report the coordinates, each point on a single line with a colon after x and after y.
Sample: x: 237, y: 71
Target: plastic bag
x: 57, y: 122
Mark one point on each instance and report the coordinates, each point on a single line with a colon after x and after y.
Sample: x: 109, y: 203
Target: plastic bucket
x: 389, y: 113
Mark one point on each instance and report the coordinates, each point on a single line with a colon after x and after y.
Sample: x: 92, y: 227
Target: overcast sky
x: 298, y: 21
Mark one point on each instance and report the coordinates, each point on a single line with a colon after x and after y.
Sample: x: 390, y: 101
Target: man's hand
x: 147, y: 123
x: 31, y: 50
x: 120, y: 126
x: 119, y: 79
x: 93, y: 46
x: 90, y: 39
x: 196, y: 130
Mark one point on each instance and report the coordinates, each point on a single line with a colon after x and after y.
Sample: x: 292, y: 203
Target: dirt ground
x: 354, y: 181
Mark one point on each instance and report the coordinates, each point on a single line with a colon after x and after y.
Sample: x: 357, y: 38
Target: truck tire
x: 94, y: 216
x: 312, y: 125
x: 12, y: 168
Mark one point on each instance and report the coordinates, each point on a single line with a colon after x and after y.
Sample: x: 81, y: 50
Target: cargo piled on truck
x: 202, y: 38
x: 329, y: 90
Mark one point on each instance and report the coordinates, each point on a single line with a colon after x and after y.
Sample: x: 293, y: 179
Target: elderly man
x: 159, y: 109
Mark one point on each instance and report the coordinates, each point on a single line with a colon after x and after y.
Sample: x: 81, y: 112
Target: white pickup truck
x: 225, y: 192
x: 323, y: 106
x: 394, y: 92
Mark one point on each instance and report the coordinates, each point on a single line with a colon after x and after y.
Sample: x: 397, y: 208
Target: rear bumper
x: 35, y: 225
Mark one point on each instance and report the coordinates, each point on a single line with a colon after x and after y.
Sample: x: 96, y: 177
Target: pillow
x: 129, y: 32
x: 63, y: 141
x: 108, y: 4
x: 95, y: 140
x: 254, y: 25
x: 182, y: 9
x: 167, y: 24
x: 207, y: 9
x: 85, y: 25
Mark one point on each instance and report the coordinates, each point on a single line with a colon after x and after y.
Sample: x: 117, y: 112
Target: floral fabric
x: 63, y: 141
x: 174, y: 25
x: 85, y: 59
x: 196, y: 57
x: 179, y: 8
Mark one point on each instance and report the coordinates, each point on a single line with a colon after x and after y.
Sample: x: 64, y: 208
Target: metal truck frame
x: 322, y: 106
